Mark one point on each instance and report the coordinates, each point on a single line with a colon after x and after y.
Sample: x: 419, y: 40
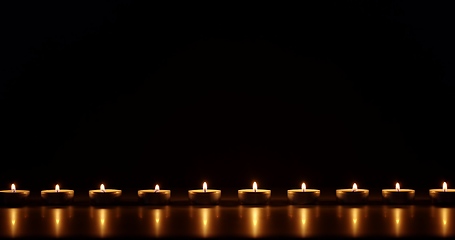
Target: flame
x: 204, y: 187
x: 157, y: 188
x: 444, y: 187
x: 255, y: 187
x: 102, y: 188
x: 13, y: 187
x: 57, y: 188
x: 303, y: 187
x: 354, y: 187
x: 397, y: 187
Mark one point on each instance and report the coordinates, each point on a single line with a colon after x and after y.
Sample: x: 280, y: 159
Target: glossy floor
x: 180, y: 221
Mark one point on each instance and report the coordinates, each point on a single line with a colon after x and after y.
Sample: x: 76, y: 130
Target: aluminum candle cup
x: 58, y: 196
x: 14, y: 197
x: 204, y: 196
x: 442, y: 196
x: 352, y: 196
x: 254, y: 196
x: 303, y: 195
x: 397, y: 195
x: 155, y: 196
x: 104, y: 196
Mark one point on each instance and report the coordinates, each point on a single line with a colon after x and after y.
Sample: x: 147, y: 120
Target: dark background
x: 133, y: 93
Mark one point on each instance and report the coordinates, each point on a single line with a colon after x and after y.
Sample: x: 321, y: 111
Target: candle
x: 57, y: 196
x: 442, y: 196
x: 352, y: 196
x: 104, y: 196
x: 254, y: 196
x: 303, y: 195
x: 398, y: 195
x: 14, y: 197
x: 204, y: 196
x: 155, y: 196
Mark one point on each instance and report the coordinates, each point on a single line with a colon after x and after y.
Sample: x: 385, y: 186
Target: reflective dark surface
x: 228, y: 220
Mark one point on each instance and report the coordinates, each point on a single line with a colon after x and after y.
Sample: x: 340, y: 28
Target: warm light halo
x: 204, y: 187
x: 397, y: 187
x: 102, y: 188
x: 13, y: 187
x: 303, y: 187
x: 255, y: 187
x: 354, y: 187
x: 57, y: 188
x: 444, y: 187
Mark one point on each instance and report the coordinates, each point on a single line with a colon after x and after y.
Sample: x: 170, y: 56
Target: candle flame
x: 354, y: 187
x: 13, y: 187
x: 204, y: 187
x: 157, y: 188
x: 57, y: 188
x: 444, y: 187
x: 255, y: 187
x: 102, y: 188
x: 397, y: 187
x: 303, y: 187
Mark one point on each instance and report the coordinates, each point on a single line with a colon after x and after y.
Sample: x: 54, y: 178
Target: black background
x: 131, y: 94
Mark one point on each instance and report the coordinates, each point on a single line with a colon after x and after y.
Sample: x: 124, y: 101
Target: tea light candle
x: 442, y: 196
x: 155, y: 196
x: 352, y: 196
x: 104, y: 196
x: 303, y: 195
x: 397, y: 195
x: 14, y: 197
x: 204, y: 196
x: 57, y: 196
x: 254, y: 196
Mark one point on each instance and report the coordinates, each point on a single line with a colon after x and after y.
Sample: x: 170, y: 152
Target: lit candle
x: 57, y: 196
x: 14, y: 197
x: 442, y: 196
x: 303, y: 195
x: 352, y: 196
x: 398, y: 195
x: 155, y: 196
x: 254, y: 196
x: 204, y: 196
x: 104, y: 196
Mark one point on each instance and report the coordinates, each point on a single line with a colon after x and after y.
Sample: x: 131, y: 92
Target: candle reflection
x: 103, y: 220
x: 206, y: 219
x: 444, y: 220
x: 57, y: 217
x: 13, y: 215
x: 13, y: 220
x: 304, y: 218
x: 355, y: 219
x: 155, y: 219
x: 254, y: 219
x: 397, y: 217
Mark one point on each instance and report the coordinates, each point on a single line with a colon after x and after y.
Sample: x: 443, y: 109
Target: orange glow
x: 204, y: 187
x: 13, y: 187
x: 102, y: 188
x: 255, y: 187
x: 303, y: 187
x: 57, y: 188
x: 397, y: 187
x: 444, y: 187
x: 354, y: 187
x: 157, y: 188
